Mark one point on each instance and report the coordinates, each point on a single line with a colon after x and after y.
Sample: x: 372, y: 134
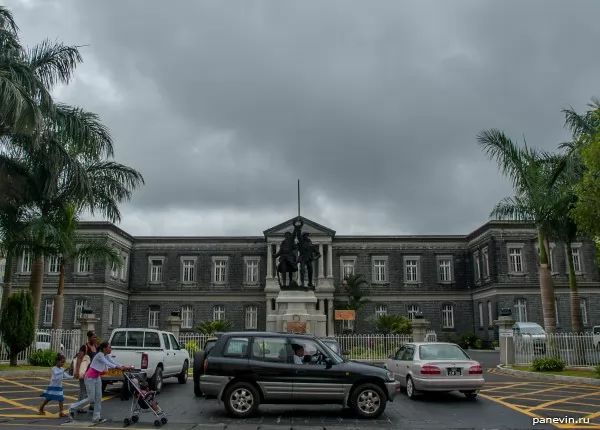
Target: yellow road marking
x: 511, y: 406
x: 592, y: 416
x: 31, y: 388
x: 583, y: 404
x: 553, y: 402
x: 531, y: 392
x: 17, y: 404
x: 504, y: 387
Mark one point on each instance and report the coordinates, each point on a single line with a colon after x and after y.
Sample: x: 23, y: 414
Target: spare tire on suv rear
x: 198, y: 369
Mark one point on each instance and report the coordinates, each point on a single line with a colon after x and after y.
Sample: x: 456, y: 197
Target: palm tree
x: 530, y: 173
x: 70, y: 247
x: 354, y: 287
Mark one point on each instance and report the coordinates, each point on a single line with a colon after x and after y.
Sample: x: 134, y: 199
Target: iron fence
x: 66, y: 342
x: 575, y: 349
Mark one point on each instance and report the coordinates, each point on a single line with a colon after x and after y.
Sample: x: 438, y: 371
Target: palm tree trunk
x: 546, y: 287
x: 36, y: 283
x: 59, y: 300
x: 576, y: 319
x: 7, y: 287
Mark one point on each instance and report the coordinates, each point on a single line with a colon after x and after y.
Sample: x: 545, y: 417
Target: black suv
x: 246, y: 369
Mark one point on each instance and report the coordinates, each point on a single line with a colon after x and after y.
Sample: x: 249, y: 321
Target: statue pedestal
x: 297, y: 312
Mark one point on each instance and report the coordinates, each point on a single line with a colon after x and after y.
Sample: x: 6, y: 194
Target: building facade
x: 459, y: 282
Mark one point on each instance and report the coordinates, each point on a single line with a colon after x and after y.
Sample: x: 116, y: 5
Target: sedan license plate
x: 453, y: 371
x: 114, y: 372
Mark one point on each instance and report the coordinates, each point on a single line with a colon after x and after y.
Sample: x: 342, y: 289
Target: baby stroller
x: 142, y: 399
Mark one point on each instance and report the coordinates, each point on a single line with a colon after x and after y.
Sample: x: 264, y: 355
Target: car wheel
x: 471, y: 395
x: 197, y: 390
x: 410, y: 388
x: 368, y: 401
x: 156, y: 382
x: 241, y: 400
x: 183, y: 376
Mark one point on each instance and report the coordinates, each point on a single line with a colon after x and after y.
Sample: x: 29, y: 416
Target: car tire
x: 410, y: 388
x: 241, y: 400
x: 368, y: 401
x: 156, y: 382
x: 197, y: 372
x: 471, y: 395
x: 183, y: 376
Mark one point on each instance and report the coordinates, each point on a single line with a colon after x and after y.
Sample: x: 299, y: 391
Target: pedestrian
x: 93, y: 381
x: 82, y: 362
x: 54, y: 391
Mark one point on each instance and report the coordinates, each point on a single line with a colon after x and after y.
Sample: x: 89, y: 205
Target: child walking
x: 54, y: 391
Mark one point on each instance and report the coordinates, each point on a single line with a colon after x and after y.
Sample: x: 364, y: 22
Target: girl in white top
x: 54, y: 391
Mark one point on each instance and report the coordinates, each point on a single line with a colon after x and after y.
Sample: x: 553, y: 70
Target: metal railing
x: 575, y: 349
x: 368, y: 347
x: 66, y: 342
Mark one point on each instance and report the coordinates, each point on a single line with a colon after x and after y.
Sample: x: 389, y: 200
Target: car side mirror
x: 346, y: 352
x: 328, y: 363
x: 391, y: 356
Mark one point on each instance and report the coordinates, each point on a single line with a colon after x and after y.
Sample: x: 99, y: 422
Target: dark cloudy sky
x: 374, y: 105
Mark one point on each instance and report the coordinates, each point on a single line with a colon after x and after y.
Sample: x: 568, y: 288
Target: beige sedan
x: 436, y: 366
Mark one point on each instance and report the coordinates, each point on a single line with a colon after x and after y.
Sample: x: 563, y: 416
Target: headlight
x: 390, y: 376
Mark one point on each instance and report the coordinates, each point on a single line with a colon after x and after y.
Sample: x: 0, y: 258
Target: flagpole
x: 298, y: 198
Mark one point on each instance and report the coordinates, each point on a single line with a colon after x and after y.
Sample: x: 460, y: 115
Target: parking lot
x: 506, y: 403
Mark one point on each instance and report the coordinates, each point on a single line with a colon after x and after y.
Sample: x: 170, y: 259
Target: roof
x: 266, y: 334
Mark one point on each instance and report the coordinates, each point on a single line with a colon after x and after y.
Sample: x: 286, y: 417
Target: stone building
x: 458, y: 282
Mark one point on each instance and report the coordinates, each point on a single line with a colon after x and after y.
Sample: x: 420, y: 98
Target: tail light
x: 205, y: 363
x: 475, y: 370
x: 430, y: 370
x: 144, y: 361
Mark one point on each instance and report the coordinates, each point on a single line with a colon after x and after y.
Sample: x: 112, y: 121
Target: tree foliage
x: 17, y: 325
x: 392, y: 324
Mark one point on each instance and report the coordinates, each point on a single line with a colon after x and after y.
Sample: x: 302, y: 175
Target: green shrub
x: 192, y: 347
x: 597, y: 371
x: 548, y: 365
x: 44, y: 357
x: 17, y: 324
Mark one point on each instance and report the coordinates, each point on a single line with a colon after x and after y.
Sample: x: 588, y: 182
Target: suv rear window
x: 236, y: 347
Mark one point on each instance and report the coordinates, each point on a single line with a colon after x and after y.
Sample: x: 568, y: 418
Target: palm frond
x: 53, y: 62
x: 97, y: 249
x: 512, y: 209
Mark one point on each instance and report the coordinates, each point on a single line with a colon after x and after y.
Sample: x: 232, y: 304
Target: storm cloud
x: 374, y: 106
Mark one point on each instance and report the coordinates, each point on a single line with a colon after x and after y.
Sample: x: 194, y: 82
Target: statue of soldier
x: 307, y: 253
x: 287, y: 258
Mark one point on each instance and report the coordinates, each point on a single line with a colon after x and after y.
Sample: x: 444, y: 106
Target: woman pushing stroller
x: 93, y: 381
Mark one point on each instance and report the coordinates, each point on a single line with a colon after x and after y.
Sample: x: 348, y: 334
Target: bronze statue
x: 307, y: 253
x: 287, y: 259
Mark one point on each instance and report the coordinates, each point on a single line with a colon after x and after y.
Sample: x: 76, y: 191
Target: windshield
x: 332, y: 345
x: 442, y: 352
x: 532, y: 330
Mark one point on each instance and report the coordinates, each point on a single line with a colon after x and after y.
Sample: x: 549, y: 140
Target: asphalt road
x: 506, y: 403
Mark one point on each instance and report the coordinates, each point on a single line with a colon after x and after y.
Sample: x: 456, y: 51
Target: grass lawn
x: 567, y: 372
x: 21, y: 367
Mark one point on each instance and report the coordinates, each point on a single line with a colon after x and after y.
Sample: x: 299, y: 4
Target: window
x: 490, y: 314
x: 412, y: 310
x: 120, y: 315
x: 520, y: 310
x: 584, y: 315
x: 2, y: 269
x: 251, y: 275
x: 515, y: 259
x: 48, y: 311
x: 380, y: 310
x: 485, y: 263
x: 347, y: 325
x: 188, y: 270
x: 272, y: 349
x: 174, y: 344
x: 166, y: 341
x: 220, y: 271
x: 26, y: 262
x: 111, y: 312
x: 114, y: 270
x: 556, y: 311
x: 379, y: 270
x: 187, y: 316
x: 156, y: 270
x: 412, y: 270
x: 252, y: 317
x: 153, y: 316
x: 124, y: 268
x: 152, y: 340
x: 447, y: 316
x: 314, y: 352
x: 219, y: 313
x: 236, y: 347
x: 79, y: 305
x: 480, y: 314
x: 84, y: 265
x: 347, y: 267
x: 477, y: 266
x: 445, y: 269
x: 576, y: 260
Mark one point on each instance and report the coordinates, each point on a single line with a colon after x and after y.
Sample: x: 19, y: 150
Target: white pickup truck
x: 155, y: 352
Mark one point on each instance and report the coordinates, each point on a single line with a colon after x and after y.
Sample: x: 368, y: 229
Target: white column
x: 321, y: 262
x: 269, y: 261
x: 329, y: 261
